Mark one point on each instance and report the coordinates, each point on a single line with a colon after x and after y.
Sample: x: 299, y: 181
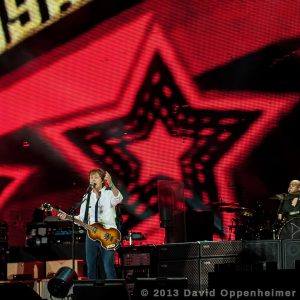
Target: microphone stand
x: 72, y: 213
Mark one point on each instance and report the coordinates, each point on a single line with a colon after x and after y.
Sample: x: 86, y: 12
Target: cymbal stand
x: 232, y: 226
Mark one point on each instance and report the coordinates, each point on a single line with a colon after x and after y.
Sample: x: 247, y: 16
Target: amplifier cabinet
x: 195, y: 270
x: 290, y: 254
x: 262, y: 251
x: 131, y: 273
x: 215, y: 264
x: 285, y: 284
x: 138, y: 261
x: 181, y: 251
x: 26, y: 270
x: 220, y: 248
x: 189, y: 268
x: 53, y: 266
x: 133, y: 256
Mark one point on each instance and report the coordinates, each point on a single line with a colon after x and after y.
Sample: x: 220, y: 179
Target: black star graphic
x: 159, y: 98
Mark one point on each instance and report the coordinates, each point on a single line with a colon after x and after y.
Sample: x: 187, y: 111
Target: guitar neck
x: 76, y: 220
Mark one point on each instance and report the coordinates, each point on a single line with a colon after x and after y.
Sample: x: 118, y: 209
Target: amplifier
x: 131, y: 273
x: 138, y: 261
x: 137, y: 256
x: 188, y: 268
x: 290, y: 254
x: 26, y: 270
x: 220, y: 248
x: 266, y: 252
x: 284, y: 284
x: 53, y: 266
x: 174, y: 251
x: 215, y: 264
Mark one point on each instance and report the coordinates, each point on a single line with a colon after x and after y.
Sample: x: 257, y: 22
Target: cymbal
x: 234, y: 208
x: 243, y: 211
x: 225, y: 204
x: 247, y: 212
x: 279, y: 197
x: 282, y: 197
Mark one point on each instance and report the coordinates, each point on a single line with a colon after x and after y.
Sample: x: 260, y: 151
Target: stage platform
x: 203, y: 267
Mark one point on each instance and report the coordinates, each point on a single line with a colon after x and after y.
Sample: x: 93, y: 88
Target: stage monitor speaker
x: 159, y: 288
x: 199, y: 225
x: 290, y: 253
x: 104, y: 289
x: 17, y: 291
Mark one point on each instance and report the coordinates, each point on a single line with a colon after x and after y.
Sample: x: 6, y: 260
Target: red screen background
x: 201, y: 92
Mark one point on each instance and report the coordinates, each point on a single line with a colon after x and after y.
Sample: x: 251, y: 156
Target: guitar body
x: 109, y: 238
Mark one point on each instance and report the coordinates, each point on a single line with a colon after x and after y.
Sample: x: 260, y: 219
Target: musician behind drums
x: 101, y: 198
x: 288, y: 214
x: 290, y: 203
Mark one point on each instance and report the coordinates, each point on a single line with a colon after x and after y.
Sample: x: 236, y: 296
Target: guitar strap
x: 96, y: 208
x: 86, y: 214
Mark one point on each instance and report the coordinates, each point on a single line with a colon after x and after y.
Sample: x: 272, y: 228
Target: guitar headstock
x: 46, y: 207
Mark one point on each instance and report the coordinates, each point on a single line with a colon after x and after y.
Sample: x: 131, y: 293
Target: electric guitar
x: 109, y: 238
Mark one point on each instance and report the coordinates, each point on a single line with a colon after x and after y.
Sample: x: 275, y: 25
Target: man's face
x: 95, y: 178
x: 293, y: 187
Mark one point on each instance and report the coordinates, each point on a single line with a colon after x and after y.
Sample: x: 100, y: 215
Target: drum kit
x: 248, y: 223
x: 290, y: 229
x: 258, y: 224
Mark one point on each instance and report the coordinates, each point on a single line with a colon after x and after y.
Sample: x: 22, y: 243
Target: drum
x: 290, y: 230
x: 244, y: 232
x: 264, y: 234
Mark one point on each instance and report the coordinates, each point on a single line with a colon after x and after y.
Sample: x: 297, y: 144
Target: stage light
x: 60, y: 284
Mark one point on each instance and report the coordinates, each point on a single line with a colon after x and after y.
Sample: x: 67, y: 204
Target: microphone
x: 90, y: 187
